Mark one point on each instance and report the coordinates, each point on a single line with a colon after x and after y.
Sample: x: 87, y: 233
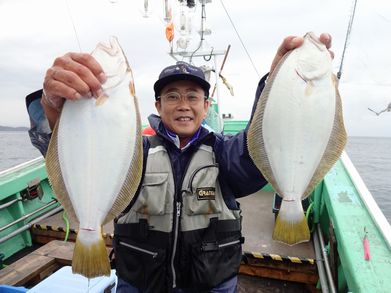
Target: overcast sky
x: 34, y: 32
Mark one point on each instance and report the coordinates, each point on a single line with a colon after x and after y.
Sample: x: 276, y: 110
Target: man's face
x: 185, y: 115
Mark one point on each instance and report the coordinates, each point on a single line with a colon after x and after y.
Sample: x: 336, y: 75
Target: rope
x: 73, y: 24
x: 65, y: 218
x: 307, y: 215
x: 240, y: 39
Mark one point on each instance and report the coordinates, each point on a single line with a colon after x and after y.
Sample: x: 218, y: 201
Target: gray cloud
x: 35, y: 32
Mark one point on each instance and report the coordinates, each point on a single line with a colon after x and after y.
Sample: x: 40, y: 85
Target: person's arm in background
x: 39, y: 131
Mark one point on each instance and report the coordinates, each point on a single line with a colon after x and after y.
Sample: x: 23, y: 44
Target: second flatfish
x: 297, y: 132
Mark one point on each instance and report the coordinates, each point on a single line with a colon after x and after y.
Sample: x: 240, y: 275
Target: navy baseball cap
x: 181, y: 71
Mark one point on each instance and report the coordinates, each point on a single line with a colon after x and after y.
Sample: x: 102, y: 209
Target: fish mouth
x: 316, y: 41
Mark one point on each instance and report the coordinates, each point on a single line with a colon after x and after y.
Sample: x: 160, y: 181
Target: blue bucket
x: 11, y: 289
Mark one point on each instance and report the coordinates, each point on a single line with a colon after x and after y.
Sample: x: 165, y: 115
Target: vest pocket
x: 141, y: 265
x: 213, y: 263
x: 152, y: 197
x: 200, y: 197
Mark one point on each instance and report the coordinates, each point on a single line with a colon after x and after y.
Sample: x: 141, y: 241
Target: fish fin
x: 132, y: 88
x: 291, y: 225
x: 90, y: 257
x: 309, y: 88
x: 55, y: 175
x: 334, y: 148
x: 101, y: 99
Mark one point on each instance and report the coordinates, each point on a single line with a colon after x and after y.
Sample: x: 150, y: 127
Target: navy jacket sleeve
x: 237, y: 170
x: 39, y: 127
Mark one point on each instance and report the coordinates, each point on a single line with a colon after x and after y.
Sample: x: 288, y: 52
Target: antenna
x: 339, y: 74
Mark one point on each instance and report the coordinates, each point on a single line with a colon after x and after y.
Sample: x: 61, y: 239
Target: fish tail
x: 90, y: 255
x: 291, y: 225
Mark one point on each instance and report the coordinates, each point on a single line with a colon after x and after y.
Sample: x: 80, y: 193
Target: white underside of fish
x: 297, y: 132
x: 94, y: 159
x: 297, y: 127
x: 95, y: 152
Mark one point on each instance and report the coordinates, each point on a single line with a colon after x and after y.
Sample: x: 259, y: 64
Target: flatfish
x: 297, y: 132
x: 94, y: 159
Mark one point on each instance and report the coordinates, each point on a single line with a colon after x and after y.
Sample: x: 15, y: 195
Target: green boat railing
x: 25, y: 196
x: 346, y: 212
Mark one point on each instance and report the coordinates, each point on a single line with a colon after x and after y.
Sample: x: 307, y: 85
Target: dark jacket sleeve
x: 258, y: 92
x: 237, y: 170
x: 39, y: 127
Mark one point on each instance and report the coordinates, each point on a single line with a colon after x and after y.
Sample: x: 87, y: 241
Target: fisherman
x: 182, y: 231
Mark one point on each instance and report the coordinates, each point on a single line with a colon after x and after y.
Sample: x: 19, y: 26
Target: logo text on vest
x: 205, y: 193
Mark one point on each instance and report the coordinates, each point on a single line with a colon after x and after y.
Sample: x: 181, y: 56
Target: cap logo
x: 183, y: 68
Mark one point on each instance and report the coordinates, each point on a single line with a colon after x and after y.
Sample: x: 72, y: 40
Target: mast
x: 207, y: 53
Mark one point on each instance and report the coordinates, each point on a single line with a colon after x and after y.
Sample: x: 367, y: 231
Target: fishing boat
x: 342, y: 214
x: 349, y: 250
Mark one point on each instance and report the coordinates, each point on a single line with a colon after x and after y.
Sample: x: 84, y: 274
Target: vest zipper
x: 152, y: 253
x: 178, y: 213
x: 178, y: 205
x: 196, y: 171
x: 229, y: 243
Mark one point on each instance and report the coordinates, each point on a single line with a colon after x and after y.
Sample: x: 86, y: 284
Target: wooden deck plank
x: 25, y: 269
x: 281, y: 274
x: 61, y: 251
x: 253, y: 284
x: 39, y: 263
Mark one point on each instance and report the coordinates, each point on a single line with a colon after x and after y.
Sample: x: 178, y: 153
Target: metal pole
x: 326, y: 260
x: 27, y: 226
x: 27, y: 215
x: 221, y: 68
x: 6, y: 205
x: 217, y: 87
x: 320, y: 264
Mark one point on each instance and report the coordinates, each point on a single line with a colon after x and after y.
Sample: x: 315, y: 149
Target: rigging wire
x: 73, y: 24
x: 240, y: 39
x: 207, y: 59
x: 339, y: 74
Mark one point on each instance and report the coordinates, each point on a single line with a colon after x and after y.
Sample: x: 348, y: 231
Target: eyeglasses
x: 173, y: 98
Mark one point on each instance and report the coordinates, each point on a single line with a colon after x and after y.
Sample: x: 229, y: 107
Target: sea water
x: 370, y: 155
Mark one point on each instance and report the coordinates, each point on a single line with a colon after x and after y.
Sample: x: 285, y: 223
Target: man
x: 182, y: 232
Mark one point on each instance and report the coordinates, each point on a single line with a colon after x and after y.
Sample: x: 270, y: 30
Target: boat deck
x: 262, y: 256
x: 258, y: 224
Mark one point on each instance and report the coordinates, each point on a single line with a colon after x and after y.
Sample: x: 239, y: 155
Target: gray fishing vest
x: 201, y: 193
x: 187, y: 238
